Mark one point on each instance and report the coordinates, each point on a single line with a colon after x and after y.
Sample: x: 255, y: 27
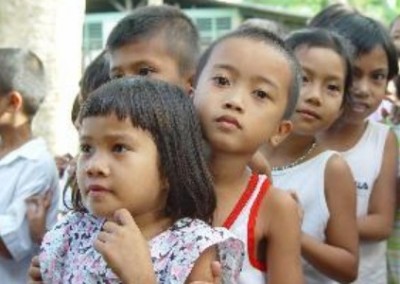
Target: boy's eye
x: 261, y: 94
x: 305, y: 79
x: 333, y: 88
x: 379, y: 76
x: 221, y: 81
x: 86, y: 148
x: 145, y: 71
x: 119, y: 148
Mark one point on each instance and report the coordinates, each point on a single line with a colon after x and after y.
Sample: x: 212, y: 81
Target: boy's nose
x: 313, y: 95
x: 360, y: 88
x: 234, y: 101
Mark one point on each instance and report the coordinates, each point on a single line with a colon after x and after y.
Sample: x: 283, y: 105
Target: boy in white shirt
x: 26, y: 166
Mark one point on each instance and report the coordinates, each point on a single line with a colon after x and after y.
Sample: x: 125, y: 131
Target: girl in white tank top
x: 369, y: 148
x: 320, y: 178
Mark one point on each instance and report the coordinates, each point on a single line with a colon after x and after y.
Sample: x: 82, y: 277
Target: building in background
x: 213, y: 18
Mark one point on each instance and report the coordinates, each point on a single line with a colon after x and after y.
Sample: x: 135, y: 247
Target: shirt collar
x: 31, y: 150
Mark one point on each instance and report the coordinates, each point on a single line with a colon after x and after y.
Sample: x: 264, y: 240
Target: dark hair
x: 95, y: 75
x: 271, y: 39
x: 76, y: 106
x: 363, y: 32
x: 21, y: 70
x: 168, y: 114
x: 178, y: 31
x: 315, y: 37
x: 269, y: 25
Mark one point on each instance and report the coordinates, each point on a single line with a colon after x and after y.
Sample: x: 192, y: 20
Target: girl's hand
x: 122, y: 244
x: 34, y: 272
x: 216, y: 272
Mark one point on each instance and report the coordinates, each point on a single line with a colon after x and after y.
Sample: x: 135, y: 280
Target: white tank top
x: 365, y: 160
x: 242, y: 221
x: 308, y: 181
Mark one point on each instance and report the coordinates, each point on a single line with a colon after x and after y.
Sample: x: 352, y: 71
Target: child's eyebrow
x: 332, y: 76
x: 267, y: 81
x: 226, y: 67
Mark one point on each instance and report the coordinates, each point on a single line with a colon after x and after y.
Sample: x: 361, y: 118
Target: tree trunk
x: 53, y: 30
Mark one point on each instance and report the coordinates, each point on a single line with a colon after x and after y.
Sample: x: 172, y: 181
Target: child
x: 300, y: 163
x: 156, y: 41
x: 241, y: 104
x: 369, y: 148
x: 26, y: 166
x: 142, y: 178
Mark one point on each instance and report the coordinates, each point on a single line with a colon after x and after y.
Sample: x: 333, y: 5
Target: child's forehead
x: 257, y: 58
x: 144, y: 48
x: 376, y: 56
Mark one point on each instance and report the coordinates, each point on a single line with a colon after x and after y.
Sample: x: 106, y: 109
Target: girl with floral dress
x: 145, y: 195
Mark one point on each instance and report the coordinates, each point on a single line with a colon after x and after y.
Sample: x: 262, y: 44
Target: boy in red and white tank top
x: 242, y: 104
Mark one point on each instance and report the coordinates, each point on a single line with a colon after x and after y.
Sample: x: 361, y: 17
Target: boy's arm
x: 14, y: 229
x: 4, y: 251
x: 283, y: 238
x: 337, y: 257
x: 378, y: 224
x: 37, y: 207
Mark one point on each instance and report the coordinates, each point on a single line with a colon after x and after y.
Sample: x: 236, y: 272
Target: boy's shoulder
x: 34, y: 150
x: 278, y: 205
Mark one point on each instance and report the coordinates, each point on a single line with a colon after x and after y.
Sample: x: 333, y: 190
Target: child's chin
x: 101, y: 213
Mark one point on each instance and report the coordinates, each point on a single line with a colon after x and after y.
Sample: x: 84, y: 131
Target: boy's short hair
x: 178, y: 31
x: 322, y: 38
x: 95, y: 75
x: 363, y: 32
x: 22, y: 71
x: 271, y: 39
x: 267, y: 24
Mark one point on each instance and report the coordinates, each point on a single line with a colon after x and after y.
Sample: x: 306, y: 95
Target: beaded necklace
x: 297, y: 161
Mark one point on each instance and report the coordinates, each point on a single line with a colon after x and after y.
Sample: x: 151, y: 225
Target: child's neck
x: 228, y: 169
x: 153, y: 223
x: 342, y: 135
x: 231, y: 176
x: 14, y: 137
x: 295, y: 149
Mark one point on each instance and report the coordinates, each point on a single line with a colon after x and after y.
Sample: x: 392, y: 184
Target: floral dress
x: 68, y: 256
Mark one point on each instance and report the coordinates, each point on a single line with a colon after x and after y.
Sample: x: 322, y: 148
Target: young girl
x: 369, y: 148
x: 146, y: 196
x: 300, y: 163
x: 241, y: 104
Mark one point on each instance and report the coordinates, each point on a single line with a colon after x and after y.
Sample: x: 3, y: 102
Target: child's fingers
x: 104, y: 237
x: 216, y: 271
x: 123, y: 217
x: 111, y: 227
x: 34, y: 270
x: 99, y: 246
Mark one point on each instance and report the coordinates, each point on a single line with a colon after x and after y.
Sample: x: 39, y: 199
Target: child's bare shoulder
x: 279, y: 207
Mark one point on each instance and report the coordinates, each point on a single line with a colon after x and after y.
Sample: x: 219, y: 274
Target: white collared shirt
x: 26, y: 171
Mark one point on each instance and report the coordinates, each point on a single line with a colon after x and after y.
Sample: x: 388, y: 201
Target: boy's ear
x: 188, y: 83
x: 284, y: 129
x: 15, y: 101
